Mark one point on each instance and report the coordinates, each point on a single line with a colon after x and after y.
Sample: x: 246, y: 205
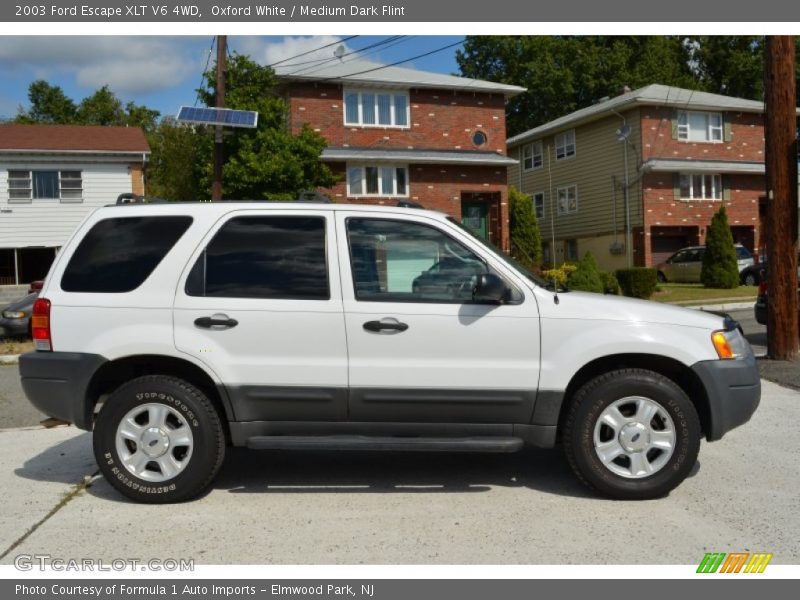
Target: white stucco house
x: 51, y: 177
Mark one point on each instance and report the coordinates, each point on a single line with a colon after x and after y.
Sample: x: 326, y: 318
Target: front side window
x: 270, y: 257
x: 696, y: 126
x: 567, y: 199
x: 45, y: 185
x: 565, y: 144
x: 377, y: 180
x: 376, y: 108
x: 398, y: 261
x: 538, y: 204
x: 532, y: 156
x: 698, y: 186
x: 117, y: 255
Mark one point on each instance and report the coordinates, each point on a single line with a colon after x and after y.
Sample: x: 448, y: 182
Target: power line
x: 399, y: 62
x: 309, y: 70
x: 328, y: 59
x: 205, y: 69
x: 280, y: 62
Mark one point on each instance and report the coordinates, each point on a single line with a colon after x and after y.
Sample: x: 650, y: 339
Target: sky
x: 163, y: 72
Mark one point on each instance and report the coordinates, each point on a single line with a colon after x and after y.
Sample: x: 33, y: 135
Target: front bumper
x: 733, y: 388
x: 57, y: 382
x: 13, y: 327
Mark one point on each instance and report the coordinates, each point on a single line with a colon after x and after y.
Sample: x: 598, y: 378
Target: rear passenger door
x: 260, y: 304
x: 419, y: 349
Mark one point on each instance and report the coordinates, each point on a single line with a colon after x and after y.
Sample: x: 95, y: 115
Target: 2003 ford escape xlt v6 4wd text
x: 173, y: 330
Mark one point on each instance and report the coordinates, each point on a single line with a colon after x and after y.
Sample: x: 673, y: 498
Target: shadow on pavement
x: 66, y: 462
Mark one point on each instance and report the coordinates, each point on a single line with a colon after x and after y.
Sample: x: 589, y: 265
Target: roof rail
x: 409, y: 204
x: 313, y: 196
x: 129, y: 198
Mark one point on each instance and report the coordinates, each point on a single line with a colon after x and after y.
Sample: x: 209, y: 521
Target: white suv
x: 173, y: 330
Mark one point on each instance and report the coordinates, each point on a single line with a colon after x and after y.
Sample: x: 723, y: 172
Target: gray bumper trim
x: 56, y: 384
x: 733, y: 388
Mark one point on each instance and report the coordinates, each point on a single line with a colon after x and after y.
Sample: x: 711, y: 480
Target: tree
x: 565, y: 73
x: 586, y: 277
x: 730, y: 65
x: 526, y: 239
x: 720, y: 269
x: 48, y: 104
x: 267, y: 162
x: 175, y: 170
x: 141, y: 116
x: 101, y: 108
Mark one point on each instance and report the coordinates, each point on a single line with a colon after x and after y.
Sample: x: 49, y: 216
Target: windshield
x: 518, y: 266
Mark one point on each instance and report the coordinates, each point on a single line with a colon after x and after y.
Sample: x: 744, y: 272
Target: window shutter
x: 676, y: 186
x: 726, y: 187
x: 727, y: 134
x: 674, y: 124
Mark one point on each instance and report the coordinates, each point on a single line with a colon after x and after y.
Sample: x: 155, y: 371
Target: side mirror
x: 489, y: 289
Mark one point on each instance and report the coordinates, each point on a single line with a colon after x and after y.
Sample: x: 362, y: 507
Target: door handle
x: 385, y: 325
x: 216, y: 322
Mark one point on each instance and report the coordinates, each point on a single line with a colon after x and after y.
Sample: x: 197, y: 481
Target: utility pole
x: 780, y: 95
x: 222, y: 52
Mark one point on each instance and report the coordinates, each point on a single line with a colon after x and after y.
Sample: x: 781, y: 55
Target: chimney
x: 626, y: 89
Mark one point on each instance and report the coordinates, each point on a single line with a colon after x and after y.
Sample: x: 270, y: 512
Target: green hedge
x: 638, y: 282
x: 610, y: 283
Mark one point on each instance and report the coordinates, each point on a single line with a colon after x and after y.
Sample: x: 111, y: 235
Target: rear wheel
x: 750, y: 279
x: 159, y: 439
x: 632, y: 434
x: 661, y: 277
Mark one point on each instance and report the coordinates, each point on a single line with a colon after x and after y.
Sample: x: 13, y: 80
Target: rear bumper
x: 733, y: 388
x: 56, y: 383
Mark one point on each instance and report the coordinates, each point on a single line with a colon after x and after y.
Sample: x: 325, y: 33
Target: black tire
x: 750, y: 279
x: 199, y: 414
x: 661, y: 277
x: 594, y: 397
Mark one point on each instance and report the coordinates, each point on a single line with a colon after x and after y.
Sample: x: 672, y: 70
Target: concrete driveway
x: 349, y: 508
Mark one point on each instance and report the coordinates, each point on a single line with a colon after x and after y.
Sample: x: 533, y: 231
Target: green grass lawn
x: 696, y: 293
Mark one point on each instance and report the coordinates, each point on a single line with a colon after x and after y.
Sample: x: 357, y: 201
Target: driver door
x: 419, y: 350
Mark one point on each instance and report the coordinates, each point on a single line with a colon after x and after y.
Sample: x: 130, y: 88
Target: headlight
x: 14, y: 314
x: 730, y: 344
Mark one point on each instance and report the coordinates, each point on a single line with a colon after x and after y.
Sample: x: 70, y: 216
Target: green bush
x: 586, y: 278
x: 720, y: 269
x: 560, y: 275
x: 638, y: 282
x: 526, y: 239
x: 610, y: 283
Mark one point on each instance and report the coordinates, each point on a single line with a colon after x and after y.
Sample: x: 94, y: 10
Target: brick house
x: 687, y: 153
x: 402, y: 134
x: 51, y: 177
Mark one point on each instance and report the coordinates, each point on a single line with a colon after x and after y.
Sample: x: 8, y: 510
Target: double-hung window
x: 565, y: 144
x: 567, y: 197
x: 538, y: 205
x: 696, y: 186
x: 377, y: 180
x: 696, y: 126
x: 27, y: 185
x: 532, y: 156
x: 376, y: 108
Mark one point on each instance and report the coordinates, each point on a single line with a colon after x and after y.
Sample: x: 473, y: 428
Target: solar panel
x: 218, y: 116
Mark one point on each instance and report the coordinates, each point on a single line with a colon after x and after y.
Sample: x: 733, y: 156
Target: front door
x: 419, y: 349
x: 475, y: 216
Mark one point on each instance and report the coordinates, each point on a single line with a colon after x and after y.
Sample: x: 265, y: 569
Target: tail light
x: 40, y: 325
x: 762, y: 288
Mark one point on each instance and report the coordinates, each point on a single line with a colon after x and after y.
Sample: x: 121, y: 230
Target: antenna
x: 623, y: 132
x: 339, y: 52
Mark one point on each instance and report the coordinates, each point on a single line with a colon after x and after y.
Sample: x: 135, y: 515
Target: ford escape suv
x: 174, y: 330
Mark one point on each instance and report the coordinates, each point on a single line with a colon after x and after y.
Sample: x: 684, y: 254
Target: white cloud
x: 126, y: 64
x: 267, y: 52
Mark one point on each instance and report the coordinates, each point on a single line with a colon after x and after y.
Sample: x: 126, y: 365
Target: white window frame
x: 533, y: 152
x: 61, y: 189
x: 563, y: 142
x: 716, y: 186
x: 376, y: 92
x: 685, y: 130
x: 379, y: 166
x: 535, y: 207
x: 567, y: 210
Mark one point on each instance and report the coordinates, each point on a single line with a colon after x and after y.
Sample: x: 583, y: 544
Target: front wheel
x: 750, y: 279
x: 632, y: 434
x: 159, y: 439
x: 661, y: 277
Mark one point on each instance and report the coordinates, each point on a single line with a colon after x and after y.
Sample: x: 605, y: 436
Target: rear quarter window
x: 118, y: 255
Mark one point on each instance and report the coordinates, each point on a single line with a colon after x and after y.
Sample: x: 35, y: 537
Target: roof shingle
x: 72, y: 138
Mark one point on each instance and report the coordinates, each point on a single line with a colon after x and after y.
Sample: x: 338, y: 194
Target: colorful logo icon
x: 735, y: 562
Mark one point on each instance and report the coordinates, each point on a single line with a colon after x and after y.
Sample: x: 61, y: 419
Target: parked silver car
x: 685, y: 265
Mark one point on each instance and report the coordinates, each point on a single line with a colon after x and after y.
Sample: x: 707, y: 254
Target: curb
x: 725, y: 306
x: 9, y: 359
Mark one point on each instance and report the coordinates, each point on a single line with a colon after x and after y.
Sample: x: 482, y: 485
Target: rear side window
x: 117, y: 255
x: 280, y: 257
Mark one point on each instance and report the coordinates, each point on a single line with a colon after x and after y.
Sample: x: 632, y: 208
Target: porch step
x: 363, y: 442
